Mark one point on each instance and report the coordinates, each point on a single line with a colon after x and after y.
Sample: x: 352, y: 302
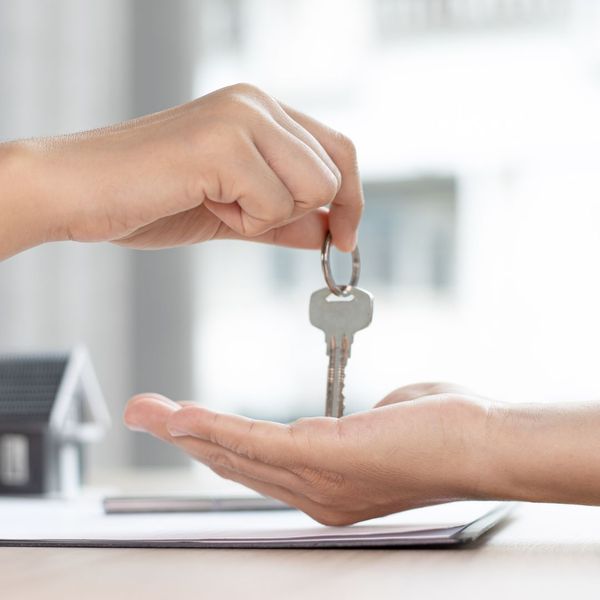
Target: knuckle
x: 272, y: 214
x: 306, y: 429
x: 324, y: 188
x: 214, y: 423
x: 347, y: 147
x: 326, y: 485
x: 242, y: 99
x: 309, y: 429
x: 220, y: 460
x: 221, y: 472
x: 302, y: 423
x: 254, y: 227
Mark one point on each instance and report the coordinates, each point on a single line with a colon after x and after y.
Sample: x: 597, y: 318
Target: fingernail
x: 135, y: 427
x: 176, y: 432
x: 162, y: 399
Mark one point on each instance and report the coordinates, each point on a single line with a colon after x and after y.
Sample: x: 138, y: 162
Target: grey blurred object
x: 51, y: 407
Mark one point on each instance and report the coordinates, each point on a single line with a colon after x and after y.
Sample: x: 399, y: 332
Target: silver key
x: 339, y: 317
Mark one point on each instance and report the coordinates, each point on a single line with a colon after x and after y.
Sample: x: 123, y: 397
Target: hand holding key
x: 339, y: 312
x: 236, y: 163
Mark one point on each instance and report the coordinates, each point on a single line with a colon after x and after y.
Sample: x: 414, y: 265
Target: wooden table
x: 542, y: 551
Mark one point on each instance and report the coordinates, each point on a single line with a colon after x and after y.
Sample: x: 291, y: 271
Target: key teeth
x: 338, y: 358
x: 342, y: 405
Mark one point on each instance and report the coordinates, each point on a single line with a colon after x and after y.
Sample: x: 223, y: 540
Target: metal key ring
x: 326, y: 266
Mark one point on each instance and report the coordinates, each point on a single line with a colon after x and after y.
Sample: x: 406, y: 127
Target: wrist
x: 468, y: 420
x: 28, y: 216
x: 512, y: 465
x: 542, y: 453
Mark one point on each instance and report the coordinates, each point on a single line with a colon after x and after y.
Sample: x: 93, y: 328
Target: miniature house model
x: 51, y: 406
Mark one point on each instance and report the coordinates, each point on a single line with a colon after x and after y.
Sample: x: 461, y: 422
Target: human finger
x: 269, y: 123
x: 307, y: 232
x: 311, y: 180
x: 250, y: 198
x: 215, y: 455
x: 279, y: 114
x: 324, y: 515
x: 419, y: 390
x: 191, y: 227
x: 150, y: 413
x: 269, y: 442
x: 347, y: 206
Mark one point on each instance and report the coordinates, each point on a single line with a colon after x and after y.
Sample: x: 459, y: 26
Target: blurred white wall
x: 65, y: 66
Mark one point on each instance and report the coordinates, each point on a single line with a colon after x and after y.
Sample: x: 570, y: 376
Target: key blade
x: 336, y: 372
x: 331, y: 391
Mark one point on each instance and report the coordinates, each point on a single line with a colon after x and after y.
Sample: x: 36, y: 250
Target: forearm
x: 543, y: 453
x: 27, y: 217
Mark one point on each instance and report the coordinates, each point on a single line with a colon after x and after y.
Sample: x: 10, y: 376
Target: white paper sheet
x: 83, y: 523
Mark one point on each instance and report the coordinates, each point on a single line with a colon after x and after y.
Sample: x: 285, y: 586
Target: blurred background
x: 477, y: 125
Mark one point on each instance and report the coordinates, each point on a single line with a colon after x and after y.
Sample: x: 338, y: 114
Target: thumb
x: 419, y: 390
